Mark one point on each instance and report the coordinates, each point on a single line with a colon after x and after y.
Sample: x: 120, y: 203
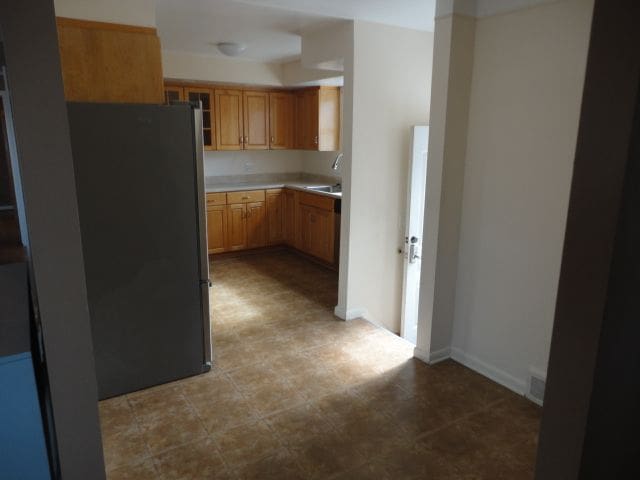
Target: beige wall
x: 391, y: 92
x: 128, y: 12
x: 451, y: 88
x: 528, y: 73
x: 189, y: 66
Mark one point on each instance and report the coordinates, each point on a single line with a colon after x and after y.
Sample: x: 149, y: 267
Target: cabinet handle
x: 315, y: 139
x: 248, y: 214
x: 246, y: 139
x: 273, y: 139
x: 241, y: 139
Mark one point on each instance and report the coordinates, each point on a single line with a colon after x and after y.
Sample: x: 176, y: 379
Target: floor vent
x: 536, y: 388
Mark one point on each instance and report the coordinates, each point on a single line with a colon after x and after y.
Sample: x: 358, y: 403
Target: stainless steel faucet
x: 336, y: 162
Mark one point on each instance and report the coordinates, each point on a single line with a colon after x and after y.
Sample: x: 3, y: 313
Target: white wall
x: 451, y: 88
x: 528, y: 74
x: 252, y: 162
x: 128, y: 12
x: 319, y: 163
x: 391, y: 92
x: 189, y: 66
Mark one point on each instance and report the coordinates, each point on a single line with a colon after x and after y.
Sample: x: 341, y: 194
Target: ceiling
x: 271, y: 29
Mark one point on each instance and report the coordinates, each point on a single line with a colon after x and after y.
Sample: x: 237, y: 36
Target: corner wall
x: 528, y: 74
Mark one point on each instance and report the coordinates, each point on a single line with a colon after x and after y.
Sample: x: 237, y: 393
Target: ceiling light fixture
x: 231, y: 49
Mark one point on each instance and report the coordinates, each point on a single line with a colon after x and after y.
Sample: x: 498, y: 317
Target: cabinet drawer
x: 318, y: 201
x: 247, y: 196
x: 214, y: 199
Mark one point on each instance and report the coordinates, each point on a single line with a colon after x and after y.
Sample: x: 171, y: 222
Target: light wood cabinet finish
x: 110, y: 63
x: 275, y: 216
x: 216, y: 199
x: 237, y: 226
x: 317, y: 119
x: 256, y: 225
x: 256, y: 120
x: 316, y: 226
x: 257, y: 218
x: 205, y: 97
x: 245, y: 196
x: 228, y: 118
x: 217, y: 228
x: 281, y: 120
x: 173, y: 94
x: 290, y: 206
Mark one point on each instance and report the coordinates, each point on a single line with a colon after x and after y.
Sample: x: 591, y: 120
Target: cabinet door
x: 316, y: 232
x: 323, y: 234
x: 217, y: 228
x: 329, y: 119
x: 256, y: 225
x: 205, y: 96
x: 311, y: 116
x: 173, y: 94
x: 289, y: 218
x: 281, y: 115
x: 228, y: 116
x: 275, y: 217
x: 300, y: 121
x: 256, y: 120
x: 237, y: 226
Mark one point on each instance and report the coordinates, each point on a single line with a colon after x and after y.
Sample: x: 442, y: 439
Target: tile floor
x: 297, y: 394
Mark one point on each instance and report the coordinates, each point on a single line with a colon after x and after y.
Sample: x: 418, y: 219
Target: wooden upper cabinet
x: 173, y: 94
x: 311, y: 99
x: 228, y: 118
x: 281, y: 120
x: 205, y: 97
x: 110, y: 63
x: 317, y: 119
x: 256, y: 120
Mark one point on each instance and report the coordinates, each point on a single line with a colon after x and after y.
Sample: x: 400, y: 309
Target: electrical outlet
x: 537, y: 384
x: 248, y: 166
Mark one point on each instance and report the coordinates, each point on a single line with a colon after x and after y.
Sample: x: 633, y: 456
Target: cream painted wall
x: 528, y: 74
x: 128, y: 12
x: 252, y: 162
x: 319, y: 163
x: 391, y: 92
x: 189, y: 66
x: 451, y: 88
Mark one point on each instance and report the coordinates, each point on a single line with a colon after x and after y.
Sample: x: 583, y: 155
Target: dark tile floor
x: 298, y: 394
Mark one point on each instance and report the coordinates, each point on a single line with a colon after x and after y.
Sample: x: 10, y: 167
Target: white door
x: 416, y: 187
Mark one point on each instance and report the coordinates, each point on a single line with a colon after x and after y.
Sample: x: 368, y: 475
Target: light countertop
x: 293, y: 184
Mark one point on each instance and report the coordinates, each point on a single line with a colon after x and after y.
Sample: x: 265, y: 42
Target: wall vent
x: 537, y: 384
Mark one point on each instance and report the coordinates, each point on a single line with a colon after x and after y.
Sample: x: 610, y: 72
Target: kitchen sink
x: 328, y: 188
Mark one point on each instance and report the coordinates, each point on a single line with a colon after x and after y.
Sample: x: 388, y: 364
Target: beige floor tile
x: 143, y: 470
x: 295, y: 393
x: 195, y: 461
x: 246, y: 444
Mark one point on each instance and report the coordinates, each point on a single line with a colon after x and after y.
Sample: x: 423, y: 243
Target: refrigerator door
x: 205, y: 282
x: 138, y: 199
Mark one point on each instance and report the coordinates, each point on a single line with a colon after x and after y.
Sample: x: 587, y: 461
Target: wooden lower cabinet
x: 316, y: 232
x: 289, y: 226
x: 237, y: 226
x: 217, y: 228
x: 256, y: 225
x: 275, y: 217
x: 258, y: 218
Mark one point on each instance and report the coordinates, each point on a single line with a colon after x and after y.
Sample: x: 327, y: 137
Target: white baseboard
x: 503, y: 378
x: 421, y: 355
x: 433, y: 357
x: 439, y: 355
x: 351, y: 314
x: 533, y: 399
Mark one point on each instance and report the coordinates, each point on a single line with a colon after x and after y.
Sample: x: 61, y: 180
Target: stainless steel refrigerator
x: 140, y: 187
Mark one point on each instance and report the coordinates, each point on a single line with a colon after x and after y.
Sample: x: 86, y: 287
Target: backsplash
x: 251, y: 162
